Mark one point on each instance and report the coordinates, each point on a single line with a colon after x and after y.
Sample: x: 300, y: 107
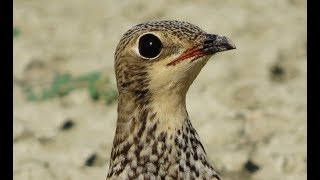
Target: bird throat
x: 156, y: 140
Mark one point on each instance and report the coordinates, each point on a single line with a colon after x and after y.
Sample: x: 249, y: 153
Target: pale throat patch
x: 169, y: 86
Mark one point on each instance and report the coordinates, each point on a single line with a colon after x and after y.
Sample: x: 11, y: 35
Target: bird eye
x: 149, y: 46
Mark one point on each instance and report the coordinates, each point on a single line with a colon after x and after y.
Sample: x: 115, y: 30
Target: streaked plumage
x: 155, y: 64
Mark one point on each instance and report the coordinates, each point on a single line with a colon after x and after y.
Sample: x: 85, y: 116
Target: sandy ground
x: 248, y: 105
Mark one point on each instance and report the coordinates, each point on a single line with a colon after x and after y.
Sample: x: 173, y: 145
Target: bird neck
x: 156, y: 137
x: 167, y: 111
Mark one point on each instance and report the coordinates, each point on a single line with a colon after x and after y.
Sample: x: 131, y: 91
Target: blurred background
x: 248, y: 105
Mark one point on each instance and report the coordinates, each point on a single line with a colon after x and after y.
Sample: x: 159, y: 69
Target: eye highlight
x: 149, y: 46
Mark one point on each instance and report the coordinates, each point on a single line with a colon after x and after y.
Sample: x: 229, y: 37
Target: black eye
x: 149, y: 46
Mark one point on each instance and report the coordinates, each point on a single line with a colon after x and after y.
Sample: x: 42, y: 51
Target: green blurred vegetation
x: 63, y: 84
x: 16, y: 32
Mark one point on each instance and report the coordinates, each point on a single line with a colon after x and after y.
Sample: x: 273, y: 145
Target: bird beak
x: 215, y: 43
x: 212, y: 44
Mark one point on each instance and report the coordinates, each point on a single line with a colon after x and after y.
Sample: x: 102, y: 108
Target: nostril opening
x: 210, y: 39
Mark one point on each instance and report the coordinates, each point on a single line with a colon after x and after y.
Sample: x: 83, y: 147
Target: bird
x: 155, y: 64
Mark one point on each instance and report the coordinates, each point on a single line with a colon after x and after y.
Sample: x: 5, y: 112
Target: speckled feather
x: 154, y: 137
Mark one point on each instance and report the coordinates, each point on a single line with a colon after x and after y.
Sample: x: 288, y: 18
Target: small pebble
x: 68, y: 124
x: 277, y: 73
x: 91, y: 160
x: 251, y: 167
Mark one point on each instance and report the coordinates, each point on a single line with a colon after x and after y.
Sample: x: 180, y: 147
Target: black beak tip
x: 215, y: 43
x: 230, y: 45
x: 225, y: 42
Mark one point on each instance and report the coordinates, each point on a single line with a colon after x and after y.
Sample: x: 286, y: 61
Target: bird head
x: 164, y: 57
